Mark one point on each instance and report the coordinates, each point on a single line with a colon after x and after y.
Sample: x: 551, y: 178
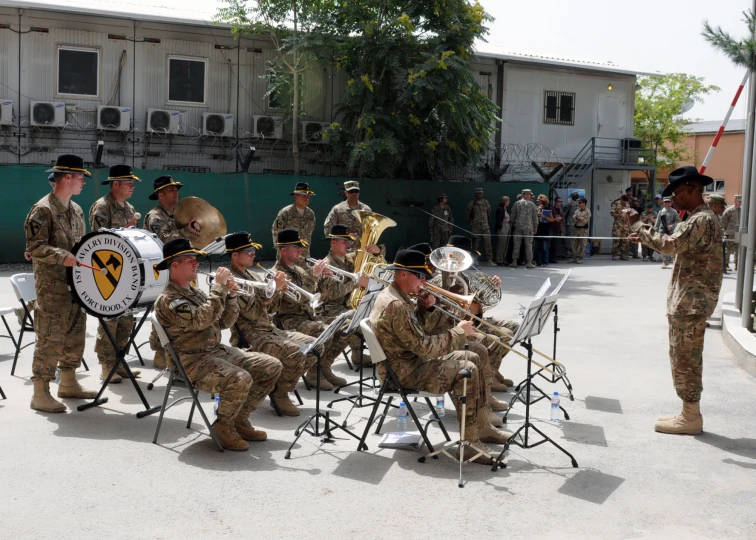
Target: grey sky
x: 646, y: 35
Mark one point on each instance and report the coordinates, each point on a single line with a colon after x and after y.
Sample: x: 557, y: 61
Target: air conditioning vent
x: 6, y: 112
x: 218, y: 124
x: 312, y: 132
x: 47, y: 114
x: 111, y: 118
x: 268, y: 127
x: 163, y: 121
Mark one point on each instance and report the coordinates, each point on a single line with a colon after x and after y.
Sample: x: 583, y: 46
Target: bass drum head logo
x: 109, y: 293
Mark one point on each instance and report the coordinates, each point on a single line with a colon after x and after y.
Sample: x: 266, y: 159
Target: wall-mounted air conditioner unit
x: 47, y: 113
x: 312, y: 132
x: 6, y: 112
x: 163, y: 121
x: 113, y: 118
x: 267, y: 127
x: 218, y: 124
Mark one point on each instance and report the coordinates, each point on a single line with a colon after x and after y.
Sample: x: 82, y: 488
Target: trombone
x: 294, y: 292
x: 247, y: 287
x: 342, y: 276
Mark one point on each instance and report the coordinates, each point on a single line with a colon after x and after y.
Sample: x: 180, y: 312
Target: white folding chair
x: 391, y: 385
x: 193, y: 392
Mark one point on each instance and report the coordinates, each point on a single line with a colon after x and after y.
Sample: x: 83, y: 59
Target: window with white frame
x: 559, y: 108
x: 717, y: 186
x: 187, y: 79
x: 78, y: 71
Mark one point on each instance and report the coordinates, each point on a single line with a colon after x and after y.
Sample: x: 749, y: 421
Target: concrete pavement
x: 95, y: 474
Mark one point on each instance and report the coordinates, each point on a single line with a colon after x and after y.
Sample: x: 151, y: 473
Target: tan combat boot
x: 115, y: 379
x: 69, y: 387
x: 490, y: 434
x: 158, y: 361
x: 43, y: 401
x: 331, y: 377
x: 493, y: 418
x: 229, y: 438
x: 688, y: 422
x: 122, y: 371
x: 366, y: 361
x: 311, y: 376
x: 246, y: 431
x: 498, y: 386
x: 285, y: 405
x: 496, y: 405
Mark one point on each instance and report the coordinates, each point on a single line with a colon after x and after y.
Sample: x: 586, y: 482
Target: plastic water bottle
x: 401, y: 417
x: 440, y: 410
x: 57, y: 376
x: 555, y: 407
x: 215, y: 407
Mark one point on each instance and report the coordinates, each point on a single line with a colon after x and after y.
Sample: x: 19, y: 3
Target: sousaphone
x: 209, y: 219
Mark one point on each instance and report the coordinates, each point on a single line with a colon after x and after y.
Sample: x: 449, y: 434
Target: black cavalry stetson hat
x: 302, y: 188
x: 412, y: 261
x: 240, y: 241
x: 424, y: 248
x: 461, y: 242
x: 120, y: 172
x: 162, y: 182
x: 339, y: 232
x: 685, y: 175
x: 174, y: 248
x: 289, y: 237
x: 69, y: 163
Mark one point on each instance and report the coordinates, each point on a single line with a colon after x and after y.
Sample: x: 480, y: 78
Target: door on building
x: 611, y: 128
x: 602, y: 219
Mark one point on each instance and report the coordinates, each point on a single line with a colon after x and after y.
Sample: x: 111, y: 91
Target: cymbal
x: 211, y: 222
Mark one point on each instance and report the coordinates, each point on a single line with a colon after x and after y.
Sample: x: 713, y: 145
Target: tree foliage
x: 658, y: 113
x: 742, y: 52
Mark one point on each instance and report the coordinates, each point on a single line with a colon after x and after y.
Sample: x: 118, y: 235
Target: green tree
x: 658, y: 113
x: 742, y: 52
x: 412, y: 106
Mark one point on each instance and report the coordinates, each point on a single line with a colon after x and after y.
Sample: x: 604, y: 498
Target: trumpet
x: 247, y: 287
x: 342, y: 276
x: 296, y: 293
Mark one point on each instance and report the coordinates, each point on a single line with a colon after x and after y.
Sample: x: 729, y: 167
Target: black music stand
x: 308, y: 426
x: 534, y: 322
x: 121, y: 360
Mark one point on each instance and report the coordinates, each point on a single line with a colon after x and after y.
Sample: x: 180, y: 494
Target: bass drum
x: 130, y: 282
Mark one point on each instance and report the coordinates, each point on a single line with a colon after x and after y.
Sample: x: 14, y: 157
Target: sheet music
x: 328, y: 333
x: 561, y: 283
x: 362, y: 312
x: 543, y: 289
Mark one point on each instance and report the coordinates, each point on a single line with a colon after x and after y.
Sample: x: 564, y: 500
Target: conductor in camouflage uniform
x: 300, y: 316
x: 428, y: 362
x: 255, y: 324
x: 193, y: 322
x: 693, y: 292
x: 525, y: 220
x: 441, y: 223
x: 731, y: 227
x: 54, y: 224
x: 114, y: 212
x: 479, y: 215
x: 335, y: 293
x: 297, y: 216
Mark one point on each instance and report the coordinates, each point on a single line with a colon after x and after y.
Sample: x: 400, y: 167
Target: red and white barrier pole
x: 710, y: 153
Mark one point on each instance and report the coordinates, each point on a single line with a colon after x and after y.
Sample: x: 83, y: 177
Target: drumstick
x: 136, y: 217
x: 101, y: 270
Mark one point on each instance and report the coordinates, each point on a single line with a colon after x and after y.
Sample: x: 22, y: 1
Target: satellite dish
x: 688, y: 105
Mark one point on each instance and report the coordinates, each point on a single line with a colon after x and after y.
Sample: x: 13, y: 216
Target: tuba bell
x: 373, y: 226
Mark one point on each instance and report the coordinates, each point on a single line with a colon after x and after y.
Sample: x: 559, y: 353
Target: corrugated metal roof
x: 733, y: 126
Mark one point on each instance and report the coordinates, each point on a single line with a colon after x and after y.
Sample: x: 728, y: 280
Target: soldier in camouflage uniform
x: 648, y: 217
x: 693, y: 292
x: 621, y: 228
x: 342, y: 214
x: 300, y: 316
x: 525, y: 222
x: 731, y: 226
x: 113, y: 212
x: 193, y: 322
x: 54, y: 224
x: 335, y: 293
x: 580, y: 220
x: 569, y: 215
x: 297, y: 216
x: 441, y: 225
x: 666, y: 221
x: 256, y: 326
x: 429, y: 362
x: 479, y: 216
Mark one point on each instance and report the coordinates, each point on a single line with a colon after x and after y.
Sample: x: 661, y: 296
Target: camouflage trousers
x: 285, y: 346
x: 241, y: 379
x: 312, y: 328
x: 120, y: 329
x: 686, y: 341
x: 482, y: 234
x: 732, y: 249
x: 440, y: 236
x: 497, y: 351
x: 60, y: 338
x: 620, y: 246
x: 522, y: 236
x: 578, y: 244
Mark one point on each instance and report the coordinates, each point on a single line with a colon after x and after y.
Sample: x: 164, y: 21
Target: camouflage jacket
x: 403, y: 337
x: 697, y: 274
x: 570, y: 208
x: 288, y: 309
x: 288, y: 217
x: 670, y: 218
x: 731, y: 221
x: 649, y: 217
x: 524, y: 215
x: 620, y: 223
x: 160, y: 221
x: 335, y: 295
x: 342, y: 214
x: 437, y: 226
x: 254, y: 311
x: 51, y: 232
x: 581, y: 218
x: 478, y: 212
x: 107, y: 213
x: 193, y: 320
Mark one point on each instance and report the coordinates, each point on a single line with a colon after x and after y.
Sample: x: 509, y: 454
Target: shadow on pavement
x: 739, y: 447
x: 591, y: 485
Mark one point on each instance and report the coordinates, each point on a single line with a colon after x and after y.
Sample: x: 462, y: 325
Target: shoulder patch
x: 34, y: 223
x: 182, y: 308
x: 100, y: 218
